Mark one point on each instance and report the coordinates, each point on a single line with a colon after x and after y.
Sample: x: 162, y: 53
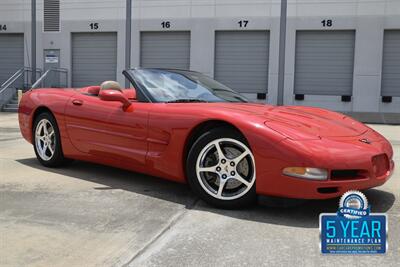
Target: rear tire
x: 221, y: 169
x: 47, y: 141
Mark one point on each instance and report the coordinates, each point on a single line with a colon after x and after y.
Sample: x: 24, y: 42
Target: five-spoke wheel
x: 225, y: 169
x: 47, y: 142
x: 45, y: 139
x: 221, y: 168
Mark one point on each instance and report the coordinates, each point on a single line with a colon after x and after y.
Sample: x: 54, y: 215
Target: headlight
x: 306, y: 173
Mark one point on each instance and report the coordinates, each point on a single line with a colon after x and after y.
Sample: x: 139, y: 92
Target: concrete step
x: 9, y: 105
x: 10, y: 109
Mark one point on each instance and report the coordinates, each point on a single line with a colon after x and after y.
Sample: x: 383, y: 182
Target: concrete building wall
x: 368, y: 18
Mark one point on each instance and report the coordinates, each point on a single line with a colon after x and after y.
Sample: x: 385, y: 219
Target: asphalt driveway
x: 91, y: 215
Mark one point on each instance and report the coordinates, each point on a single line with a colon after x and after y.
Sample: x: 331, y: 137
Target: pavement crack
x: 163, y: 231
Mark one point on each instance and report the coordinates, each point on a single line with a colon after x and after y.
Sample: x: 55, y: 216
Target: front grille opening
x: 338, y: 175
x: 327, y: 190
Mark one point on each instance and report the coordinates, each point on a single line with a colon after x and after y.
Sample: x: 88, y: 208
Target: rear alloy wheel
x: 224, y: 170
x: 47, y: 141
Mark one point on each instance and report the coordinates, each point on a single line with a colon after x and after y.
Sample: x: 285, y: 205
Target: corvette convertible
x: 186, y: 127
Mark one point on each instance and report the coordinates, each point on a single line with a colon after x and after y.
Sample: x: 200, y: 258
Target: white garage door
x: 165, y: 50
x: 324, y: 62
x: 94, y: 58
x: 391, y: 63
x: 11, y: 55
x: 241, y: 60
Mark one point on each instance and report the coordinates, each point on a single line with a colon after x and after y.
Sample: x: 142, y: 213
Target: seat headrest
x: 110, y: 85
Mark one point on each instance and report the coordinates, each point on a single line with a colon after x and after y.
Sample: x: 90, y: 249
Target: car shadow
x: 279, y: 211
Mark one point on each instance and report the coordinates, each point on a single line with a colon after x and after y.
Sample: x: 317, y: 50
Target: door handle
x: 77, y: 102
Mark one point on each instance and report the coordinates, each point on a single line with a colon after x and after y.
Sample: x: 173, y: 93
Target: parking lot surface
x: 92, y: 215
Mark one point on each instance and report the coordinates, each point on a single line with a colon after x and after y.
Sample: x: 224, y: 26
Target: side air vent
x: 51, y: 16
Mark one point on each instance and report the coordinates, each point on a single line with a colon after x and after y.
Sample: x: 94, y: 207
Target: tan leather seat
x: 110, y: 85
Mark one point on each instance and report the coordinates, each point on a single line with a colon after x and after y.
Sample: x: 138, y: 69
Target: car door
x: 128, y: 131
x: 103, y: 129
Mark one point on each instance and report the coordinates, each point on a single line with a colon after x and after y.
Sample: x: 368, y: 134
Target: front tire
x: 47, y: 141
x: 221, y: 169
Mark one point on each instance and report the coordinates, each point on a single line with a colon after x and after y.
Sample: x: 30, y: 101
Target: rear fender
x: 34, y: 102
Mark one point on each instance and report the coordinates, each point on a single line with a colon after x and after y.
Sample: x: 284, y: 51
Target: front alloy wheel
x: 225, y: 169
x: 221, y: 169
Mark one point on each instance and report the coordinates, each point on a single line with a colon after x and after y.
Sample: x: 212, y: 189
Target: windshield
x: 182, y: 86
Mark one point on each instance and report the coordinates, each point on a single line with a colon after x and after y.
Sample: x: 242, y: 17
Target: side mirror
x: 114, y: 95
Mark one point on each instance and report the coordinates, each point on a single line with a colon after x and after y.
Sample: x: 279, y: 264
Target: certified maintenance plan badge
x: 353, y: 229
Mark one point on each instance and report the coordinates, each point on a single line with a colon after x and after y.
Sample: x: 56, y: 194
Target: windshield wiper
x: 187, y: 100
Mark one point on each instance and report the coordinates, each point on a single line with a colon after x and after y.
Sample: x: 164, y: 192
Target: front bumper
x: 306, y: 189
x: 343, y: 154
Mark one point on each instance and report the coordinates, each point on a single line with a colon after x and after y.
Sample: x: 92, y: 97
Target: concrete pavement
x: 91, y: 215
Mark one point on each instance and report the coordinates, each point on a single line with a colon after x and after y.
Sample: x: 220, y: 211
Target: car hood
x: 302, y: 123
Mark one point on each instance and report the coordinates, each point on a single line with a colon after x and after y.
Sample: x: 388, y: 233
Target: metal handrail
x: 17, y: 73
x: 43, y: 77
x: 16, y: 76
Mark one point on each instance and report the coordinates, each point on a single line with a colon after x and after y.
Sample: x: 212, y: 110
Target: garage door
x: 94, y: 58
x: 391, y: 63
x: 241, y: 60
x: 165, y: 50
x: 324, y: 62
x: 11, y: 55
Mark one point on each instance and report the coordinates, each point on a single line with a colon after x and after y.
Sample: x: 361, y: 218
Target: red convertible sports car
x: 186, y: 127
